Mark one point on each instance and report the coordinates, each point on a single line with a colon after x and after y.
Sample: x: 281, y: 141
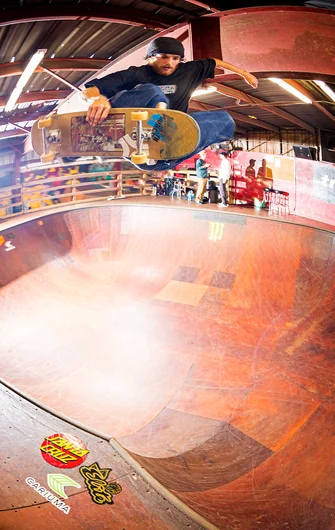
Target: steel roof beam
x: 211, y: 8
x: 252, y: 100
x: 64, y: 64
x: 198, y: 105
x: 17, y: 118
x: 30, y: 97
x: 258, y: 123
x: 96, y: 13
x: 12, y: 133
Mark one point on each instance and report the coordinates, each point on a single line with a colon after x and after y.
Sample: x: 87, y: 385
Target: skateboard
x: 141, y: 134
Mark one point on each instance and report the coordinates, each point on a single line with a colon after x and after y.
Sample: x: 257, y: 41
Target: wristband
x: 91, y: 99
x: 96, y: 98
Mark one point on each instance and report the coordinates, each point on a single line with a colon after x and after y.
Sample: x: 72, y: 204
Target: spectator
x: 224, y: 176
x: 250, y: 173
x: 168, y: 178
x: 202, y: 175
x: 264, y: 174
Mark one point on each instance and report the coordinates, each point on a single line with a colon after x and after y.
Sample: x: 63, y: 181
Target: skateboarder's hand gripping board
x: 99, y: 108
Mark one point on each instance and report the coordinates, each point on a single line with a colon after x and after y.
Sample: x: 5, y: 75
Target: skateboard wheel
x: 139, y: 158
x: 44, y: 122
x: 47, y: 157
x: 139, y: 115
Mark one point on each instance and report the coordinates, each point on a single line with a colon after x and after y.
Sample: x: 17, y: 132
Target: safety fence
x: 82, y: 187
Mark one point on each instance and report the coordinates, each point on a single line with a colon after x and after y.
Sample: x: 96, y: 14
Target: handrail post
x: 119, y: 185
x: 143, y: 181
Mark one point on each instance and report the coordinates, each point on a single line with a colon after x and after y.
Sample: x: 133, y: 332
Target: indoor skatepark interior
x: 190, y: 350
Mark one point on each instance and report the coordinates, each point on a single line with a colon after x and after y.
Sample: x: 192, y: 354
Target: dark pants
x: 216, y: 126
x: 223, y: 192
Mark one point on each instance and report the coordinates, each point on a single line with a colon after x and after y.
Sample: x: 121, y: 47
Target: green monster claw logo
x: 100, y: 490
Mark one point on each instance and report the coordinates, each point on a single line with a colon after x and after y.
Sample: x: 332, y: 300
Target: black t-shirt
x: 177, y: 87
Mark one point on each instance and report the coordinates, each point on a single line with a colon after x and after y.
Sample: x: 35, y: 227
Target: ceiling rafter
x: 252, y: 100
x: 18, y: 118
x: 13, y: 133
x: 96, y: 13
x: 197, y: 105
x: 258, y: 123
x: 31, y: 97
x: 208, y: 7
x: 64, y: 64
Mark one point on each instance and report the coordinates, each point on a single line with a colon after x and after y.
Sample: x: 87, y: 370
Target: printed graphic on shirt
x: 168, y: 89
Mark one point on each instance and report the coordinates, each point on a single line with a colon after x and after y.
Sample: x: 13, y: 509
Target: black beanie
x: 165, y: 45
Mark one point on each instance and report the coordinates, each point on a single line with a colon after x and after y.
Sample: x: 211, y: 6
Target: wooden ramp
x: 202, y: 341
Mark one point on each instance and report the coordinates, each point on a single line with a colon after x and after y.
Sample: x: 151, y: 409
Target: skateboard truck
x: 139, y: 157
x: 140, y: 116
x: 47, y: 155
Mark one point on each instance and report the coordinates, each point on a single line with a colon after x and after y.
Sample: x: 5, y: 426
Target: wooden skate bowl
x: 202, y: 341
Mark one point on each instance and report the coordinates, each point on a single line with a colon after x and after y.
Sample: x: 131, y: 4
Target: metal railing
x: 39, y: 194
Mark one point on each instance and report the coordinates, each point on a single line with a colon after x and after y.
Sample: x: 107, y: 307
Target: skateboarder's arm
x: 99, y: 109
x: 105, y: 88
x: 249, y: 78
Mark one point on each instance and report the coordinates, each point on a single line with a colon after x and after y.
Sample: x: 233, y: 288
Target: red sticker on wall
x: 64, y: 450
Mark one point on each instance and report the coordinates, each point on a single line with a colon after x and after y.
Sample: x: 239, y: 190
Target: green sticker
x: 57, y: 482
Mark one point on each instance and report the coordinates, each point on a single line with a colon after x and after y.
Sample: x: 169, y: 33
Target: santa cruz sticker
x: 100, y: 490
x: 64, y: 450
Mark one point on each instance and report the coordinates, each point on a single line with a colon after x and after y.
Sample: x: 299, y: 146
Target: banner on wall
x: 260, y: 165
x: 324, y: 182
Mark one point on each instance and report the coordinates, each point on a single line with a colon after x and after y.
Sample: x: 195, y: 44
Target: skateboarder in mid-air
x: 165, y: 81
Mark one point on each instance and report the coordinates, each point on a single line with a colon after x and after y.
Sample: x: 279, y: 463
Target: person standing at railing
x: 201, y: 167
x: 224, y: 176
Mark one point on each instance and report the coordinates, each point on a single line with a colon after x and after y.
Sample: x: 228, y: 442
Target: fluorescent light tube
x: 326, y: 89
x: 24, y: 78
x: 290, y: 89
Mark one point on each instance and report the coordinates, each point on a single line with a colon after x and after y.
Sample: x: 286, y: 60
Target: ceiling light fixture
x: 290, y: 89
x: 25, y: 76
x: 326, y: 89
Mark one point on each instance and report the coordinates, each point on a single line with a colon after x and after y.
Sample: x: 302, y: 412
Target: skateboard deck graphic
x: 164, y: 134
